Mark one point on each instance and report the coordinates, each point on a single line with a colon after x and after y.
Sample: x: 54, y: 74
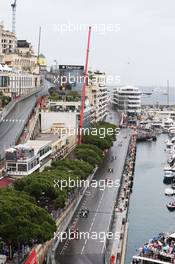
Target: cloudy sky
x: 134, y: 40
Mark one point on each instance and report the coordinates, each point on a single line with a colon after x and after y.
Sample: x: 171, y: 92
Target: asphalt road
x: 100, y: 204
x: 15, y: 121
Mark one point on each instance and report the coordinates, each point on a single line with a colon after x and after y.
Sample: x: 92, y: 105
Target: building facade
x: 19, y: 69
x: 72, y: 107
x: 128, y: 99
x: 24, y: 159
x: 8, y: 41
x: 96, y: 91
x: 16, y: 83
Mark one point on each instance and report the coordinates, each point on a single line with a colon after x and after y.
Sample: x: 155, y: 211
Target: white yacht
x: 171, y: 131
x: 167, y: 124
x: 169, y: 174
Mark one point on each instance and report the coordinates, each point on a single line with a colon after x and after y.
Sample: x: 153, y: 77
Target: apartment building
x: 96, y: 91
x: 128, y: 100
x: 8, y: 41
x: 19, y: 69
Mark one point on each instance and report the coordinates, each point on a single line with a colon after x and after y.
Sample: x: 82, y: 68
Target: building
x: 62, y: 140
x: 19, y: 70
x: 96, y: 91
x: 15, y: 53
x: 128, y: 99
x: 63, y: 124
x: 72, y: 107
x: 42, y: 62
x: 71, y: 78
x: 22, y: 61
x: 5, y: 182
x: 14, y: 82
x: 8, y: 41
x: 24, y: 159
x: 24, y: 48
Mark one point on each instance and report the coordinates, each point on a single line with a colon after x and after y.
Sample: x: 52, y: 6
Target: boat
x: 167, y: 123
x: 169, y: 191
x: 171, y: 206
x: 147, y: 93
x: 169, y: 175
x: 169, y: 144
x: 171, y: 160
x: 171, y: 131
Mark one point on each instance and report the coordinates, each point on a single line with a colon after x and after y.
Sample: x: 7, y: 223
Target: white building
x: 24, y: 159
x: 96, y: 91
x: 15, y: 83
x: 128, y: 100
x: 19, y: 70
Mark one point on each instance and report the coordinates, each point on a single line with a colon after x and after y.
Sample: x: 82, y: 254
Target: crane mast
x: 84, y: 88
x: 14, y: 16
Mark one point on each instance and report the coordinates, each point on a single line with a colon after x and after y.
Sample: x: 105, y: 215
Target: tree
x: 92, y: 147
x: 102, y: 135
x: 88, y: 155
x: 76, y: 167
x: 95, y: 140
x: 22, y: 221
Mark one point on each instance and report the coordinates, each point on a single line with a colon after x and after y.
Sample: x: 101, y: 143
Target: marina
x: 148, y: 213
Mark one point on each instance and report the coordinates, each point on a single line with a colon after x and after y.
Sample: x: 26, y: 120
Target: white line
x: 93, y: 222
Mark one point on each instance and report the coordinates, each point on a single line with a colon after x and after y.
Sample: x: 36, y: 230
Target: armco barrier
x: 8, y: 108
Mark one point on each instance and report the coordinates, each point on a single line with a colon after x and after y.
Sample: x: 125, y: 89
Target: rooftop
x: 23, y: 44
x: 48, y: 136
x: 37, y: 144
x: 6, y: 182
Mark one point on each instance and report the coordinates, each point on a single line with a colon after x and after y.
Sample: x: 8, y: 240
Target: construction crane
x: 84, y: 89
x: 13, y: 16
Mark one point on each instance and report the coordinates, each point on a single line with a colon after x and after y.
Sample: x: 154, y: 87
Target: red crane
x: 84, y: 88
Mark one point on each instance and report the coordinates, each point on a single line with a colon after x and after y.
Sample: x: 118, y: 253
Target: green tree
x: 23, y: 221
x: 89, y: 156
x: 92, y: 147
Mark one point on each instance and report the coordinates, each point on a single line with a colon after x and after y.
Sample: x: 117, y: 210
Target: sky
x: 132, y: 41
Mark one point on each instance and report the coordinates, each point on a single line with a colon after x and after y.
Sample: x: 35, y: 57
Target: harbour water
x: 148, y: 215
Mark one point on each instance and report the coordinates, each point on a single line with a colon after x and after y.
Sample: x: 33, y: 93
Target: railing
x: 7, y: 110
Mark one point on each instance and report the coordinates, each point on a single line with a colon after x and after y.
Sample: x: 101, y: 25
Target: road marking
x: 103, y: 247
x: 92, y: 222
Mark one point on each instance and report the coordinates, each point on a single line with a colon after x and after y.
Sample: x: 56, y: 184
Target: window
x: 4, y: 81
x: 22, y: 167
x: 11, y: 166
